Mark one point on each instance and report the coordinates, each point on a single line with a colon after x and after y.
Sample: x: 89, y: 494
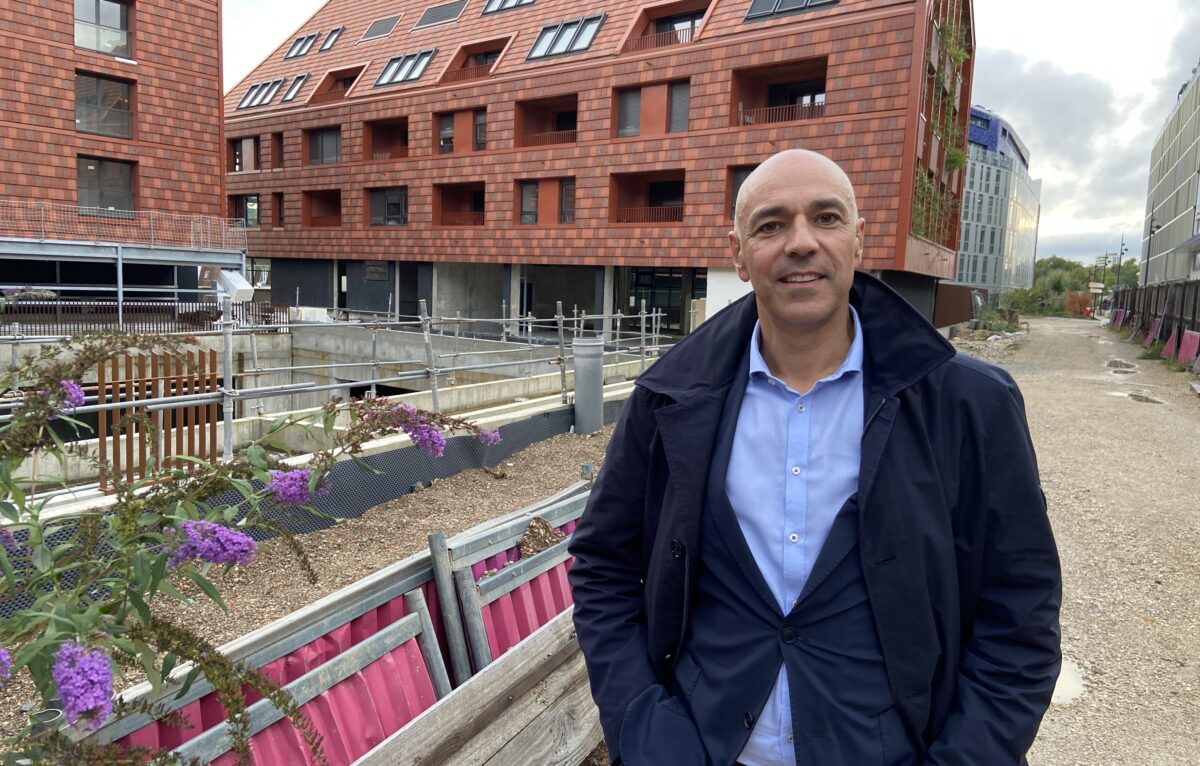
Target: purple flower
x: 84, y: 681
x: 216, y: 544
x: 72, y: 394
x: 425, y: 436
x: 9, y: 541
x: 5, y: 666
x: 291, y: 487
x: 489, y: 437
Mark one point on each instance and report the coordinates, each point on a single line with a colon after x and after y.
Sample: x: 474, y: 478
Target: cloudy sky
x: 1087, y: 84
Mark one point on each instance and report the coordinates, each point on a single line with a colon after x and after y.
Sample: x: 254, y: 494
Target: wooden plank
x: 189, y: 413
x: 116, y: 432
x: 212, y: 408
x: 202, y: 412
x: 443, y: 731
x: 102, y: 397
x: 127, y: 412
x: 143, y: 429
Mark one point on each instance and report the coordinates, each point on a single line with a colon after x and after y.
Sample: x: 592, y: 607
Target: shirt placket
x: 795, y: 499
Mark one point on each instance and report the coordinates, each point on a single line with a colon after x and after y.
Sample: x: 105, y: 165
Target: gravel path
x: 1120, y: 477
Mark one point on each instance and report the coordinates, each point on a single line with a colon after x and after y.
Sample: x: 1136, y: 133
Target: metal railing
x: 392, y: 153
x: 660, y: 40
x: 23, y: 219
x: 462, y: 219
x: 545, y: 139
x: 661, y: 214
x: 74, y: 316
x: 467, y: 73
x: 789, y: 113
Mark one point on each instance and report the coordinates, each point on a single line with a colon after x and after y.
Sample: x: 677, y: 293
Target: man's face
x: 797, y: 241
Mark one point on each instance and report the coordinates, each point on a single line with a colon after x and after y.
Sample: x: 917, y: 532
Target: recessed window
x: 260, y: 94
x: 765, y: 9
x: 737, y: 177
x: 324, y: 146
x: 389, y: 207
x: 103, y: 26
x: 245, y: 208
x: 405, y: 68
x: 528, y: 191
x: 678, y: 101
x: 566, y: 37
x: 105, y: 184
x: 446, y: 134
x: 243, y: 154
x: 332, y: 38
x: 629, y: 112
x: 294, y: 88
x: 301, y: 46
x: 566, y: 201
x: 504, y: 5
x: 380, y: 28
x: 102, y: 106
x: 440, y: 14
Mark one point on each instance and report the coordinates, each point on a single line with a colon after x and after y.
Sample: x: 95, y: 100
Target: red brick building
x: 530, y: 151
x: 111, y: 134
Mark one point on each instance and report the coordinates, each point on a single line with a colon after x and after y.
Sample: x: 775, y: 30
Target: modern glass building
x: 1171, y: 230
x: 1001, y: 208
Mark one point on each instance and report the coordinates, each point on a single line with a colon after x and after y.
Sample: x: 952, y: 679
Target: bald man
x: 819, y: 536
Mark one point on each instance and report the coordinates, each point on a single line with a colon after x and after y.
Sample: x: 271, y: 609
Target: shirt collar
x: 852, y: 363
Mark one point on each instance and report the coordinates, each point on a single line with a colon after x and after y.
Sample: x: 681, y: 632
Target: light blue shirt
x: 793, y: 465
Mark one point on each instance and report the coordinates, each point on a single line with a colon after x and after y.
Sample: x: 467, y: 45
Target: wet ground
x: 1118, y: 441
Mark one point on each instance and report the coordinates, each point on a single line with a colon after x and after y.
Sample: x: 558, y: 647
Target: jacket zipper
x: 687, y: 565
x: 882, y: 402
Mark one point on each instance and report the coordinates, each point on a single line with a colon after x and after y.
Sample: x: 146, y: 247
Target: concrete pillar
x: 589, y: 384
x: 606, y: 301
x: 512, y: 275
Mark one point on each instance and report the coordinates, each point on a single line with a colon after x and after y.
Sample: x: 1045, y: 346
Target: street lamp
x: 1154, y: 227
x: 1120, y: 253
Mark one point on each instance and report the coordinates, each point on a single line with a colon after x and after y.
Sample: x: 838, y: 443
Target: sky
x: 1086, y: 84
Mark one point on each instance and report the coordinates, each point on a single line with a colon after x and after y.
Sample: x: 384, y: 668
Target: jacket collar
x: 901, y: 346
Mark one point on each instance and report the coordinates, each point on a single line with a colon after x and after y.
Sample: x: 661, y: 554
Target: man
x: 818, y: 536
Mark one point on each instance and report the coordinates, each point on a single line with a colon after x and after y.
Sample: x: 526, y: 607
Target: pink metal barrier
x: 1168, y: 351
x: 1152, y: 334
x: 1189, y: 348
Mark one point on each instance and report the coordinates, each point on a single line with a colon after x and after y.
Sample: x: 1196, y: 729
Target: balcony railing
x: 546, y: 139
x: 21, y: 219
x: 325, y: 221
x: 70, y: 316
x: 391, y: 153
x: 103, y: 39
x: 660, y: 40
x: 462, y: 219
x: 328, y: 97
x: 789, y: 113
x: 467, y: 73
x: 660, y: 214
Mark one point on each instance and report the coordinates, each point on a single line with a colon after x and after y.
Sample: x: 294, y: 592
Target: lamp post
x: 1154, y: 227
x: 1117, y: 276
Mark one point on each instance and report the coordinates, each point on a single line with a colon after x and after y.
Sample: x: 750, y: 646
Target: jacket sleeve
x: 1011, y: 657
x: 609, y: 595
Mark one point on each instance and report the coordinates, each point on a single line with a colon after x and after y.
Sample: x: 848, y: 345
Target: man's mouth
x: 796, y: 279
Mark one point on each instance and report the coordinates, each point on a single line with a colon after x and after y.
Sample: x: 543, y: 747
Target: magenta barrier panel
x: 1118, y: 318
x: 1189, y: 349
x: 1152, y: 334
x: 1168, y: 351
x: 207, y: 712
x: 517, y: 615
x: 352, y: 716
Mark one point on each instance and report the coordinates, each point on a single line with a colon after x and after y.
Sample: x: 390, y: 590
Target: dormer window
x: 405, y: 68
x: 301, y: 46
x: 332, y: 38
x: 380, y: 28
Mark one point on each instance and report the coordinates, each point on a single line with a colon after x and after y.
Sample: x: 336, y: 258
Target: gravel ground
x: 1120, y: 478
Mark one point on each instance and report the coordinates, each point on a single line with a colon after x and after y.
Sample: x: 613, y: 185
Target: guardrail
x: 788, y: 113
x: 48, y: 221
x: 660, y: 40
x: 70, y: 316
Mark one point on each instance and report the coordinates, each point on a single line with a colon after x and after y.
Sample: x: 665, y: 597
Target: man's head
x: 797, y: 239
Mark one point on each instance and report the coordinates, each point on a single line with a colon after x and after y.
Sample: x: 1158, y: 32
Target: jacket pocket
x: 687, y: 675
x: 895, y: 749
x: 658, y: 731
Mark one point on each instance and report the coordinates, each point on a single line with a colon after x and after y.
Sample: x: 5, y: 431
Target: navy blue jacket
x: 955, y: 545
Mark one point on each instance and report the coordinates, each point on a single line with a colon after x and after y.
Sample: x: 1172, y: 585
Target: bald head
x: 787, y: 168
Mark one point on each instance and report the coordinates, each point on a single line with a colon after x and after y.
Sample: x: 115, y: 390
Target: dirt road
x: 1122, y: 477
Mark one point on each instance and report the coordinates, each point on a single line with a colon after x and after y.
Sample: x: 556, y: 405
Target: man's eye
x: 769, y: 227
x: 828, y: 218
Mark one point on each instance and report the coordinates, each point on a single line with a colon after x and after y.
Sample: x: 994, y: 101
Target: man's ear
x: 735, y: 255
x: 860, y: 235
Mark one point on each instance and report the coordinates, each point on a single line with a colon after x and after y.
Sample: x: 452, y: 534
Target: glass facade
x: 1001, y: 209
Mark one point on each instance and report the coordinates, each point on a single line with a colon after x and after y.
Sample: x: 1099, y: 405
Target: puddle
x: 1070, y: 686
x: 1144, y: 399
x: 1119, y: 364
x: 1123, y: 372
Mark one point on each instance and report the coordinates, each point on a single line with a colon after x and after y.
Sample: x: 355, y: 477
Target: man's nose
x: 802, y: 237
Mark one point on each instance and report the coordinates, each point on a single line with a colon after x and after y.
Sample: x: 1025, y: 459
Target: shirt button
x: 795, y: 470
x: 800, y: 407
x: 793, y: 537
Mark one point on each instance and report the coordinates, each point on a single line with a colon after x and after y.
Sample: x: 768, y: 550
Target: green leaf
x: 276, y: 445
x: 139, y: 606
x: 9, y: 576
x: 157, y: 572
x: 148, y: 519
x: 257, y: 456
x: 358, y: 461
x: 209, y: 589
x: 277, y: 424
x: 9, y: 511
x: 149, y: 660
x: 188, y: 680
x: 169, y: 590
x: 42, y: 559
x: 168, y: 664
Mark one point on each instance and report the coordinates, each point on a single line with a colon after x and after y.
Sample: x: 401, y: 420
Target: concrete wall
x: 573, y: 285
x: 475, y: 289
x: 724, y: 287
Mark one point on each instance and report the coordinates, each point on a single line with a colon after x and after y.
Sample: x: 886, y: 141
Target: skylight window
x: 294, y: 88
x: 439, y: 14
x: 765, y: 9
x: 405, y: 68
x: 260, y: 94
x: 503, y: 5
x: 301, y: 46
x: 332, y: 38
x: 380, y: 28
x: 566, y: 37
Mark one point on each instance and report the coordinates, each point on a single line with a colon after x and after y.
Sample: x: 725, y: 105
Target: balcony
x: 467, y: 73
x: 660, y: 40
x: 322, y: 209
x: 547, y: 121
x: 459, y: 204
x: 661, y: 214
x: 385, y: 139
x: 21, y: 219
x: 462, y: 219
x: 548, y: 139
x: 788, y: 113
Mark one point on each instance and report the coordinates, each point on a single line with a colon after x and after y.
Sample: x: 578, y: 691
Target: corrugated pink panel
x: 1118, y: 318
x: 518, y: 614
x: 352, y: 716
x: 1169, y: 349
x: 1189, y: 349
x: 206, y: 712
x: 1153, y: 332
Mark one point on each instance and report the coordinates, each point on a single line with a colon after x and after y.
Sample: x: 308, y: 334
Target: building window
x: 277, y: 207
x: 677, y: 107
x: 301, y: 46
x: 566, y: 37
x: 102, y: 25
x: 294, y: 88
x: 260, y: 94
x: 324, y: 146
x: 503, y: 5
x: 566, y: 201
x: 334, y: 34
x: 245, y: 209
x: 529, y: 201
x: 260, y: 273
x: 629, y: 112
x: 980, y: 122
x: 243, y: 154
x: 389, y: 207
x: 683, y: 24
x: 102, y: 106
x: 737, y: 177
x: 439, y: 14
x: 380, y: 28
x: 765, y: 9
x: 405, y: 68
x: 445, y: 134
x: 105, y: 184
x: 480, y: 129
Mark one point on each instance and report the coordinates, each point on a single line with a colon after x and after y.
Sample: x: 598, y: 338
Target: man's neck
x: 802, y: 357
